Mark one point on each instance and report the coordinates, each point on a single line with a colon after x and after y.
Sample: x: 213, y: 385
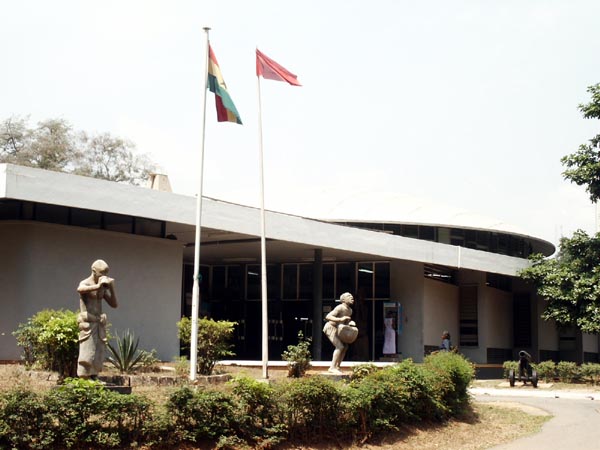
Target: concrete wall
x: 496, y: 328
x: 547, y: 332
x: 42, y: 264
x: 407, y: 286
x: 440, y: 312
x: 12, y: 279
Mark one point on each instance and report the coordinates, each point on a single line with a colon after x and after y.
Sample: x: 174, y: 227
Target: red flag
x: 270, y: 70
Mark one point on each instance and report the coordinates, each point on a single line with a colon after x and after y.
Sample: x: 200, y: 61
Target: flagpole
x: 196, y: 287
x: 263, y: 247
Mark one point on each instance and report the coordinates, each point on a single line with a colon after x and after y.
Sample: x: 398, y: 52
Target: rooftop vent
x: 159, y: 182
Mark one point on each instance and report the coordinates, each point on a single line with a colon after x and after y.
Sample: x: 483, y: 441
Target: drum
x: 347, y: 333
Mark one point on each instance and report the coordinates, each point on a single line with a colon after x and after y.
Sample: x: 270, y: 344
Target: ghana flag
x: 226, y: 111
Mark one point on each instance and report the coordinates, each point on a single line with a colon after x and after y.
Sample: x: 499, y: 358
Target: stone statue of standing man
x: 92, y: 322
x: 340, y: 330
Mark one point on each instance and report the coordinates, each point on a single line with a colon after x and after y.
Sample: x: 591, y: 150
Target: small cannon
x: 525, y: 369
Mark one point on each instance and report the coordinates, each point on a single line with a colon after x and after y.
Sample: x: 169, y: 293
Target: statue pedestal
x: 120, y: 389
x: 116, y: 383
x: 334, y: 376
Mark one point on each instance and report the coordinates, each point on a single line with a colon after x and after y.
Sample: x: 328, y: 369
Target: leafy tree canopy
x: 54, y: 145
x: 583, y: 166
x: 570, y: 282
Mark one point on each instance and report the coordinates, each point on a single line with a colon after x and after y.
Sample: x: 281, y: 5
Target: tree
x: 112, y: 158
x: 51, y: 145
x: 54, y: 145
x: 583, y: 166
x: 570, y: 282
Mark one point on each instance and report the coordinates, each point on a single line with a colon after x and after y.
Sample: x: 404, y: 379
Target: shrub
x: 590, y: 372
x: 507, y: 366
x: 567, y: 371
x: 85, y: 414
x: 126, y: 356
x: 311, y: 407
x: 182, y: 366
x: 202, y: 414
x: 24, y: 421
x: 362, y: 370
x: 257, y: 411
x: 454, y: 374
x: 546, y: 370
x: 298, y: 357
x: 213, y: 341
x: 389, y: 397
x: 50, y: 341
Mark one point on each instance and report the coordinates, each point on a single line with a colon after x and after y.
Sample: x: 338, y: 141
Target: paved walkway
x: 576, y: 421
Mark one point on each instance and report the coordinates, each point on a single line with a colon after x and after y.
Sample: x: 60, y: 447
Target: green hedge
x: 564, y: 371
x: 245, y: 412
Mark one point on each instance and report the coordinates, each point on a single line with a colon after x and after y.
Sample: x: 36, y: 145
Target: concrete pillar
x: 317, y: 334
x: 407, y: 285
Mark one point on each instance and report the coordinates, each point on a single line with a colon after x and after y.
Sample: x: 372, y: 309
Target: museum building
x: 426, y: 269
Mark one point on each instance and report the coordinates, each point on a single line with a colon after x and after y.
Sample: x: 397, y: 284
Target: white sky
x: 469, y: 103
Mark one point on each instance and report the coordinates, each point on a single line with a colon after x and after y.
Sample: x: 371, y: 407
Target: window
x: 219, y: 278
x: 305, y: 288
x: 254, y: 283
x: 343, y: 278
x: 149, y: 227
x: 235, y: 283
x: 290, y: 281
x: 498, y: 281
x: 522, y: 320
x: 118, y: 222
x: 382, y: 280
x: 10, y: 210
x: 411, y: 231
x: 469, y: 333
x: 439, y: 273
x: 328, y: 281
x: 52, y: 213
x: 365, y: 277
x: 86, y: 218
x: 427, y: 233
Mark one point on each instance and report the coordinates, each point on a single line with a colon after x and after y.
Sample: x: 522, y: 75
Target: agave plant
x: 126, y: 357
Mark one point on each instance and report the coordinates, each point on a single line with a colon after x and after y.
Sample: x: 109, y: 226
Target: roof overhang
x: 289, y: 236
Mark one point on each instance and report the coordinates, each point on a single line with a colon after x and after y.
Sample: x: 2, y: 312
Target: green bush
x: 213, y: 341
x: 298, y: 357
x: 126, y: 356
x: 389, y: 397
x: 454, y: 374
x: 256, y: 400
x: 507, y: 366
x: 362, y: 370
x: 546, y: 370
x: 84, y: 413
x: 199, y: 415
x: 246, y: 413
x: 49, y: 340
x: 257, y: 414
x: 590, y: 372
x: 311, y: 407
x: 567, y: 371
x: 24, y: 421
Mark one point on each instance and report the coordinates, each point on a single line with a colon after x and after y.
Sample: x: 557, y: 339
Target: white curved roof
x: 400, y: 208
x: 373, y: 206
